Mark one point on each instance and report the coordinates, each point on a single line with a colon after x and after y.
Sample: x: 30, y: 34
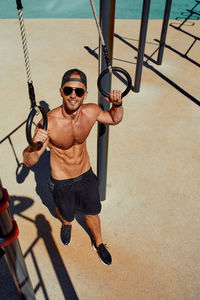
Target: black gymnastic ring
x: 29, y: 125
x: 115, y: 69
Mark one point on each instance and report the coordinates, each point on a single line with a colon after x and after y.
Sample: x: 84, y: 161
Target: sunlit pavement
x: 150, y: 218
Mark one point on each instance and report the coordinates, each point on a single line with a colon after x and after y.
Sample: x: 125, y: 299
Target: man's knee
x: 91, y: 216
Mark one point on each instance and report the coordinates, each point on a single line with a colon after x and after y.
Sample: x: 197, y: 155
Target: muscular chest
x: 66, y: 133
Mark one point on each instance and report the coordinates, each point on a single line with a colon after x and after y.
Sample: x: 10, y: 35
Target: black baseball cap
x: 67, y: 75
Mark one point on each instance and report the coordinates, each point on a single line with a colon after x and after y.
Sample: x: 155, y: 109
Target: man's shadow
x: 42, y: 173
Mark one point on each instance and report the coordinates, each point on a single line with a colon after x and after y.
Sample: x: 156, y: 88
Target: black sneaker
x: 65, y: 234
x: 103, y: 253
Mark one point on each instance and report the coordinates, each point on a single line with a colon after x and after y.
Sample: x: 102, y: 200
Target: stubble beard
x: 69, y: 109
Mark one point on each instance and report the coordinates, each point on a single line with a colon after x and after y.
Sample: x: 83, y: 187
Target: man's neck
x: 71, y: 114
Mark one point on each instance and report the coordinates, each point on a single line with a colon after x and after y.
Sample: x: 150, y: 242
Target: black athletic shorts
x: 79, y: 194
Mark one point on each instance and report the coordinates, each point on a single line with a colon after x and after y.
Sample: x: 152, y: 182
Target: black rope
x: 19, y: 4
x: 31, y: 94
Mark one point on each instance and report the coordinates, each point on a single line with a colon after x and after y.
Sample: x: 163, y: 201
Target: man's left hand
x: 115, y: 97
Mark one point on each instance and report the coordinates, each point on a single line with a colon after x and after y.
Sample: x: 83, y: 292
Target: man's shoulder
x: 54, y: 112
x: 91, y: 107
x: 53, y: 116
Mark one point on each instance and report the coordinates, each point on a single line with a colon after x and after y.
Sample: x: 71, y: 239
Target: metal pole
x: 164, y: 31
x: 13, y: 253
x: 142, y: 40
x: 107, y: 16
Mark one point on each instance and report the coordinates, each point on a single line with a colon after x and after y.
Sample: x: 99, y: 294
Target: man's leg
x: 65, y: 222
x: 65, y: 233
x: 93, y: 222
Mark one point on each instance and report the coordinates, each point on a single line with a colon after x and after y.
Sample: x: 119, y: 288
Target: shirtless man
x: 73, y: 183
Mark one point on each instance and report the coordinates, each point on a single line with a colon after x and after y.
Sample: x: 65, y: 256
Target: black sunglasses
x: 68, y: 90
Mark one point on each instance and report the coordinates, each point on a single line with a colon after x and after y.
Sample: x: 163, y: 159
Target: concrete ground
x: 150, y: 218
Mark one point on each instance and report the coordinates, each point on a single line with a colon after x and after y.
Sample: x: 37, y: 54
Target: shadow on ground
x: 18, y: 206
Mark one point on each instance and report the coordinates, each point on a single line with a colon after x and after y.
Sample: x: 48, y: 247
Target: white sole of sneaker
x: 94, y: 248
x: 104, y: 262
x: 64, y: 243
x: 99, y: 256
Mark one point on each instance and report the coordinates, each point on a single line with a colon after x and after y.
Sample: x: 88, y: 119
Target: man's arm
x: 115, y: 114
x: 32, y: 154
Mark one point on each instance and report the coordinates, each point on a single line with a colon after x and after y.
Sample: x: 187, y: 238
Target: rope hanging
x: 24, y: 44
x: 26, y: 56
x: 103, y: 44
x: 109, y: 69
x: 34, y: 106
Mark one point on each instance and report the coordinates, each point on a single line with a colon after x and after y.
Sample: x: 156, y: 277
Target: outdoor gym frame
x: 107, y: 17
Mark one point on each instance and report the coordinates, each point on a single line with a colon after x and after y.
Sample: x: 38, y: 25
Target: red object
x: 11, y: 237
x: 5, y: 202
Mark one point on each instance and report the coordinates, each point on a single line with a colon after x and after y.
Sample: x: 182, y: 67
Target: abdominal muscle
x: 69, y: 163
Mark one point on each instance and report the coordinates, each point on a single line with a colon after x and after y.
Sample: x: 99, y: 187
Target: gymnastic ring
x: 115, y: 69
x: 29, y: 125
